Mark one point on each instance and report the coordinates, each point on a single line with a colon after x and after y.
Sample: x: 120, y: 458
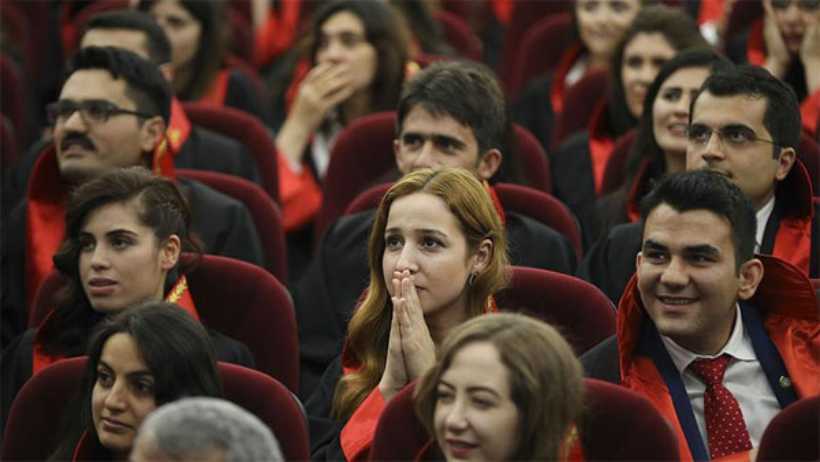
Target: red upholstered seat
x: 546, y: 37
x: 617, y: 424
x: 792, y: 434
x: 580, y: 102
x: 458, y: 34
x: 245, y: 129
x: 235, y: 298
x: 809, y: 153
x: 265, y: 213
x: 34, y: 420
x: 533, y: 161
x: 579, y: 310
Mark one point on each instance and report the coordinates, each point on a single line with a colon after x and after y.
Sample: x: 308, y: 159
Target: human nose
x: 99, y: 258
x: 407, y: 260
x: 713, y: 149
x: 675, y: 274
x: 456, y: 420
x: 116, y: 398
x: 426, y: 157
x: 75, y: 122
x: 332, y: 52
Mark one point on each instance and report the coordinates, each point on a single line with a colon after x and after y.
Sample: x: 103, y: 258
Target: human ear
x: 749, y: 276
x: 785, y: 162
x: 488, y: 164
x: 151, y: 133
x: 482, y: 256
x: 169, y: 252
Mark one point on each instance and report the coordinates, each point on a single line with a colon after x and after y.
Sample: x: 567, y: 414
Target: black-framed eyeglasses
x: 805, y: 5
x: 733, y: 136
x: 92, y: 111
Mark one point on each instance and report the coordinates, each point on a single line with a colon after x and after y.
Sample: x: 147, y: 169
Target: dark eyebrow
x: 117, y: 232
x: 703, y: 249
x: 433, y: 232
x: 136, y: 374
x: 738, y: 127
x: 441, y: 139
x: 649, y: 244
x: 472, y: 389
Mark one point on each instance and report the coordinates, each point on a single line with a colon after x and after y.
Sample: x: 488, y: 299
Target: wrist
x: 776, y: 66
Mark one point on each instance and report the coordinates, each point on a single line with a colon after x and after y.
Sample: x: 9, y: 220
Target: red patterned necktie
x: 725, y: 426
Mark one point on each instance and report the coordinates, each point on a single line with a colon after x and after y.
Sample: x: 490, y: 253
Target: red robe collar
x: 793, y: 239
x: 559, y: 88
x: 218, y: 91
x: 179, y: 294
x: 756, y: 44
x: 179, y: 128
x: 45, y: 214
x: 277, y: 33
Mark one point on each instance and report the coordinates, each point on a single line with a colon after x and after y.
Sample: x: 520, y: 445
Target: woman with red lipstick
x: 138, y: 360
x: 437, y: 254
x: 660, y: 144
x: 124, y: 234
x: 505, y: 387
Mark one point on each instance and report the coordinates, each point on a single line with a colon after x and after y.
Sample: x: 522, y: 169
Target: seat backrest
x: 541, y: 207
x: 458, y: 34
x: 533, y: 161
x: 579, y: 310
x: 619, y: 424
x: 369, y: 199
x: 245, y: 129
x: 580, y: 101
x: 792, y: 433
x: 235, y: 298
x: 809, y: 153
x: 264, y: 211
x: 545, y: 37
x: 34, y: 421
x: 615, y: 169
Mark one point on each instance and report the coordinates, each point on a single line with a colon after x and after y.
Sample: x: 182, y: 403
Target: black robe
x: 207, y: 150
x: 325, y: 296
x: 222, y: 224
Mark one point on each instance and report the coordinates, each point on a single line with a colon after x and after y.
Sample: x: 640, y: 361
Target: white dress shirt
x: 744, y: 378
x: 762, y: 216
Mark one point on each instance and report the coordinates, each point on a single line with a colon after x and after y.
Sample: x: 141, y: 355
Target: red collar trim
x: 756, y: 44
x: 276, y: 35
x: 559, y: 87
x: 179, y: 128
x: 219, y: 89
x: 496, y: 202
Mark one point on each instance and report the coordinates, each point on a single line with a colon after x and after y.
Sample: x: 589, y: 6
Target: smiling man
x: 744, y: 124
x: 717, y: 339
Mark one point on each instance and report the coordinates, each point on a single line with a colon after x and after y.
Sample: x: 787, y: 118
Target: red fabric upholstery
x: 33, y: 424
x: 615, y: 170
x: 580, y: 102
x: 514, y: 198
x: 532, y: 160
x: 792, y: 434
x: 458, y: 34
x: 541, y: 207
x: 809, y: 153
x: 583, y: 314
x: 234, y: 298
x: 815, y: 283
x: 245, y: 129
x: 618, y: 424
x: 81, y: 18
x: 547, y: 39
x: 265, y: 213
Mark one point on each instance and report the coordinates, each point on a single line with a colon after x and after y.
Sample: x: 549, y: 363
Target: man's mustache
x: 78, y: 139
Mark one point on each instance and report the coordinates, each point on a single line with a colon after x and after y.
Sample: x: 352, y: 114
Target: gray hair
x: 194, y: 426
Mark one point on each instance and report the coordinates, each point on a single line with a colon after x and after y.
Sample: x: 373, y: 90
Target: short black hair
x: 782, y: 116
x: 707, y: 190
x: 465, y: 91
x: 146, y: 85
x: 159, y: 48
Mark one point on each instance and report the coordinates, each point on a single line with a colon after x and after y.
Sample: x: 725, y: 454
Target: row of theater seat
x: 617, y: 423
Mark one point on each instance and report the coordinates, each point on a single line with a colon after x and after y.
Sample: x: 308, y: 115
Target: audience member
x: 660, y: 144
x: 656, y: 36
x: 787, y: 43
x: 717, y: 339
x: 505, y: 387
x: 599, y: 27
x: 112, y: 113
x: 358, y: 55
x: 757, y: 122
x: 205, y: 429
x: 197, y: 30
x: 124, y: 234
x: 451, y: 114
x: 138, y: 360
x: 437, y: 254
x: 191, y: 146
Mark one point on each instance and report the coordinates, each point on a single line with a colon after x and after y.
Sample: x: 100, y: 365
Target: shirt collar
x: 739, y: 346
x: 762, y: 217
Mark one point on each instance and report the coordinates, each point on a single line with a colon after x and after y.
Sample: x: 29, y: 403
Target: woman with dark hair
x: 358, y: 54
x: 138, y: 360
x: 505, y: 387
x: 124, y: 234
x: 660, y: 144
x: 656, y: 35
x: 437, y: 253
x: 198, y: 35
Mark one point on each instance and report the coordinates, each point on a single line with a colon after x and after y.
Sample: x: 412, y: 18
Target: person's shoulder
x: 213, y: 140
x: 601, y: 361
x: 200, y: 194
x: 577, y: 142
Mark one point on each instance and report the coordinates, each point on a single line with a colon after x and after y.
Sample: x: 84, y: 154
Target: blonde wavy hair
x: 369, y: 328
x: 545, y: 379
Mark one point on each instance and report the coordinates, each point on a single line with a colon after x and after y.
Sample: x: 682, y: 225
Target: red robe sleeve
x: 300, y: 194
x: 357, y: 435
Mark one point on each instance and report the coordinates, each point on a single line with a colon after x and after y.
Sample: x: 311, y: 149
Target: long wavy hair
x: 369, y: 328
x: 545, y: 380
x: 161, y: 208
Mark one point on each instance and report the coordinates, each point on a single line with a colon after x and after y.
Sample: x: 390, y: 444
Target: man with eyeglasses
x: 744, y: 124
x: 112, y: 112
x: 786, y: 41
